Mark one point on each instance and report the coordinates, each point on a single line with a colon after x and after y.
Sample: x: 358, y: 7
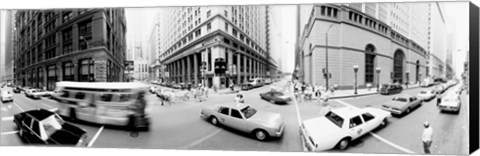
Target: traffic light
x: 220, y: 66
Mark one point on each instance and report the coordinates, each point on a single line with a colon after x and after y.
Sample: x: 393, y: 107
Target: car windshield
x: 34, y: 91
x: 248, y: 112
x: 400, y: 99
x: 385, y: 86
x: 52, y: 124
x: 337, y: 120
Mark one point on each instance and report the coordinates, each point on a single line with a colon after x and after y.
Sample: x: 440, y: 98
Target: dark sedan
x: 275, y: 97
x: 16, y: 90
x: 46, y: 127
x: 390, y: 89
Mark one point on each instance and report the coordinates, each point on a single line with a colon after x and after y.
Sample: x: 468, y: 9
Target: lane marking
x: 10, y: 118
x: 50, y: 107
x: 199, y: 141
x: 8, y: 133
x: 19, y: 107
x: 346, y: 104
x: 392, y: 144
x: 376, y: 136
x: 95, y: 137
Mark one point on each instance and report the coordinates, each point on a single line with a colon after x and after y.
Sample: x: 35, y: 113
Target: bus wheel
x: 73, y: 114
x: 132, y: 123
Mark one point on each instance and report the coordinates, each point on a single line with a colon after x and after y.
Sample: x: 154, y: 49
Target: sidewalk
x: 338, y: 94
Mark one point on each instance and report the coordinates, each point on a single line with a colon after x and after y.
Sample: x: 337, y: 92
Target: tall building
x: 343, y: 44
x: 437, y: 45
x: 153, y: 52
x: 8, y: 66
x: 196, y: 36
x: 85, y: 45
x: 137, y: 45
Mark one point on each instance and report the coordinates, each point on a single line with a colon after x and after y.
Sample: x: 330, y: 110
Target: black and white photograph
x: 354, y: 77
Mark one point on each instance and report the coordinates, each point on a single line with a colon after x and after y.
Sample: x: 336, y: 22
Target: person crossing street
x: 427, y: 137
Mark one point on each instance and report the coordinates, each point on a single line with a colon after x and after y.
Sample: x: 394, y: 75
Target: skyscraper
x: 195, y: 37
x: 83, y: 45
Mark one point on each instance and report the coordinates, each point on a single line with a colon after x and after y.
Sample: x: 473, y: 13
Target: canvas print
x: 387, y: 78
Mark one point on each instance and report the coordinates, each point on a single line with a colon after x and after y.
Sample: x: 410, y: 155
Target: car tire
x: 214, y: 121
x: 261, y: 135
x: 384, y: 123
x: 407, y: 111
x: 132, y: 123
x: 272, y: 101
x: 343, y: 144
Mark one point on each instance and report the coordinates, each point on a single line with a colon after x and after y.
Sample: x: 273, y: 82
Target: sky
x: 283, y: 36
x: 458, y: 20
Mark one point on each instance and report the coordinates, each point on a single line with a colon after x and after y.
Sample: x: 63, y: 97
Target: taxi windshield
x: 248, y: 112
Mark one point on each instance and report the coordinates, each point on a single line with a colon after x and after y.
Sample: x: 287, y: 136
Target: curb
x: 358, y: 95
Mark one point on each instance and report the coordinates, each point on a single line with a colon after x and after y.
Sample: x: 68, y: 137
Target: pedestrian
x: 427, y: 137
x: 239, y: 98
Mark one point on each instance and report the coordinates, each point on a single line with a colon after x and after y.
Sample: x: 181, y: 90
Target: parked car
x: 152, y: 89
x: 42, y: 126
x: 402, y: 104
x: 390, y: 89
x: 275, y: 97
x: 246, y: 86
x: 339, y: 127
x: 33, y: 93
x: 6, y: 96
x: 450, y: 103
x: 440, y: 89
x: 50, y: 94
x: 427, y: 95
x: 245, y: 118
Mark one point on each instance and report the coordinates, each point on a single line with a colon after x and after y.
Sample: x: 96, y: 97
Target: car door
x: 370, y: 122
x: 416, y: 102
x: 25, y: 129
x: 35, y: 132
x: 223, y: 115
x: 237, y: 120
x: 356, y: 127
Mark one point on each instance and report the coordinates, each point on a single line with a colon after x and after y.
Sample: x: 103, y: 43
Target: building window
x: 226, y: 13
x: 51, y: 77
x: 50, y: 53
x: 68, y: 71
x: 85, y: 32
x: 209, y: 58
x: 67, y: 48
x: 67, y: 16
x: 208, y: 13
x: 86, y: 70
x: 67, y: 35
x: 209, y: 26
x: 234, y: 32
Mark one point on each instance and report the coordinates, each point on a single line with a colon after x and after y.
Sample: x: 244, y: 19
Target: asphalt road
x: 175, y: 126
x: 403, y: 134
x: 179, y: 126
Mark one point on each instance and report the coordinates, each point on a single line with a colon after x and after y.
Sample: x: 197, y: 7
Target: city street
x: 176, y: 126
x: 403, y: 134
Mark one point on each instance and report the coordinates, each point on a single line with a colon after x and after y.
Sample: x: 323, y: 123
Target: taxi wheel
x: 384, y: 122
x: 344, y: 143
x: 73, y: 115
x: 214, y: 121
x: 408, y: 111
x: 272, y: 101
x: 261, y: 135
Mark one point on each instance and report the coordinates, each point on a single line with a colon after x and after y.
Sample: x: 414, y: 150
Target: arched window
x: 398, y: 59
x: 369, y: 63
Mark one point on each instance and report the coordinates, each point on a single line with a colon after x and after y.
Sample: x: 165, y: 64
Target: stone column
x: 189, y: 69
x: 238, y: 68
x: 251, y: 67
x: 195, y: 68
x: 245, y: 74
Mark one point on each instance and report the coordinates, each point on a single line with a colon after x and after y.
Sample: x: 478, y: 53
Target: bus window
x: 106, y: 97
x: 65, y: 94
x: 124, y: 97
x: 80, y: 95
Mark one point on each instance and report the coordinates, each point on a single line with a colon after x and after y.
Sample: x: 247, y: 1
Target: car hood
x: 395, y: 104
x: 269, y: 118
x: 69, y: 134
x: 320, y: 128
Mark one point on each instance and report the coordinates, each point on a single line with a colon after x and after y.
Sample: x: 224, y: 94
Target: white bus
x: 117, y: 103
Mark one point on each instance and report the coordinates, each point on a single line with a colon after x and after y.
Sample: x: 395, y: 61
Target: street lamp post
x: 378, y: 69
x: 83, y: 38
x: 326, y: 55
x: 355, y: 69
